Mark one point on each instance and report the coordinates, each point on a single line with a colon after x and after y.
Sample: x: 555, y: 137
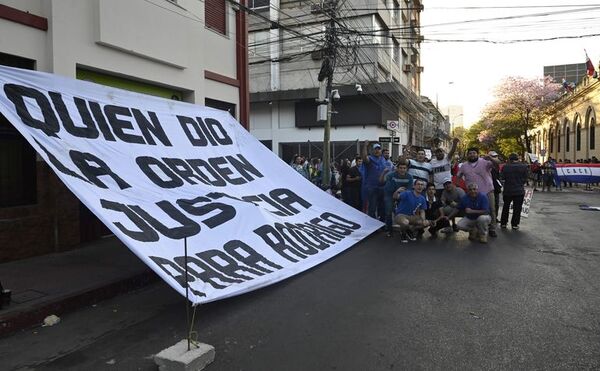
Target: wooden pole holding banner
x: 187, y: 298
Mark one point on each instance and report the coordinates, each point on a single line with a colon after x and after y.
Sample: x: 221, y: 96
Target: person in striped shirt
x: 419, y: 168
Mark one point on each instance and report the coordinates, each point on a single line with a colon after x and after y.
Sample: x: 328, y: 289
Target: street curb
x: 11, y: 322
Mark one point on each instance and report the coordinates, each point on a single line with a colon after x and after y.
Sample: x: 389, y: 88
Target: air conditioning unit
x: 420, y: 69
x: 407, y: 68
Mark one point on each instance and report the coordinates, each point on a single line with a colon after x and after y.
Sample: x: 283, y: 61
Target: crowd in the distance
x: 414, y: 195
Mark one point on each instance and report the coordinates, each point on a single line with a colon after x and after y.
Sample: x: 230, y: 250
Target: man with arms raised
x: 479, y: 171
x: 441, y: 166
x: 373, y: 167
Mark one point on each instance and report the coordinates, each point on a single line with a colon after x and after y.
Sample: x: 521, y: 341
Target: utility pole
x: 327, y: 70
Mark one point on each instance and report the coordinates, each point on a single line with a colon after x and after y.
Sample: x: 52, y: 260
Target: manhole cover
x: 27, y: 295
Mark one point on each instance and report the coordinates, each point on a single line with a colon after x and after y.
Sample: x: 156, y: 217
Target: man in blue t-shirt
x: 410, y: 212
x: 400, y: 181
x: 476, y: 207
x: 373, y: 166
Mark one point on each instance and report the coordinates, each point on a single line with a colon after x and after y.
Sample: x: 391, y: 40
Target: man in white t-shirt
x: 419, y: 168
x: 440, y: 167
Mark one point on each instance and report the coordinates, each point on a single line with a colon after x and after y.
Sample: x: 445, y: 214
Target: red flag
x: 589, y: 65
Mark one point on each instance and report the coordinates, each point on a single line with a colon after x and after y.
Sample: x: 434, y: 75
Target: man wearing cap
x: 373, y: 167
x: 515, y: 176
x: 478, y: 171
x: 441, y: 166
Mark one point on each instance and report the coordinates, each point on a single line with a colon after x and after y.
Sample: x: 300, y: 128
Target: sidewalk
x: 62, y: 282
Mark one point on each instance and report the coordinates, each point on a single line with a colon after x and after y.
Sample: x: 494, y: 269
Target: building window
x: 578, y: 137
x: 592, y: 134
x: 17, y: 168
x: 223, y: 106
x: 258, y: 4
x: 567, y: 143
x: 215, y: 12
x: 396, y: 52
x: 551, y: 135
x: 558, y: 141
x: 268, y: 144
x: 379, y: 32
x: 126, y: 84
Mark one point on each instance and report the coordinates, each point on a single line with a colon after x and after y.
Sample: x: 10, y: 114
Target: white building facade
x: 378, y: 48
x: 189, y: 50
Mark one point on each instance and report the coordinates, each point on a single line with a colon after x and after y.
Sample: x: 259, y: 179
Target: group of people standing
x: 416, y: 194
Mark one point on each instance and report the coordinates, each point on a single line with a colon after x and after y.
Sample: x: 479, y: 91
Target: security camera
x: 358, y: 88
x: 335, y: 95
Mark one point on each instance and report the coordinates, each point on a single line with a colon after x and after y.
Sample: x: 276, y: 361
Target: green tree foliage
x: 520, y: 105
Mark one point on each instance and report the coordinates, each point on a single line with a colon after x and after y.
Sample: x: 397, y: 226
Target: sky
x: 465, y: 73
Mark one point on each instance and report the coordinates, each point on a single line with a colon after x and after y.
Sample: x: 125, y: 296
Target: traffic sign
x: 389, y: 139
x: 393, y: 125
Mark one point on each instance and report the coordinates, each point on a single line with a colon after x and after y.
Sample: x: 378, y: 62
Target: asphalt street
x: 529, y: 299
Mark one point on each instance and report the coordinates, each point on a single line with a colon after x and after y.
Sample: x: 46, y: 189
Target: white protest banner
x: 531, y: 157
x: 158, y: 171
x: 527, y: 202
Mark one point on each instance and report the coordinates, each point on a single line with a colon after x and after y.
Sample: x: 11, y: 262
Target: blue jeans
x: 389, y: 209
x: 375, y: 200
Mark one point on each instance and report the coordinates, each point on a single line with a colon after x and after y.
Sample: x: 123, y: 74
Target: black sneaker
x: 493, y: 233
x: 411, y: 236
x: 433, y: 233
x: 515, y: 227
x: 503, y: 226
x: 403, y: 237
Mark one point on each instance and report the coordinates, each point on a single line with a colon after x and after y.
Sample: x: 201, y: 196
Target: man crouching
x: 477, y: 214
x: 410, y: 212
